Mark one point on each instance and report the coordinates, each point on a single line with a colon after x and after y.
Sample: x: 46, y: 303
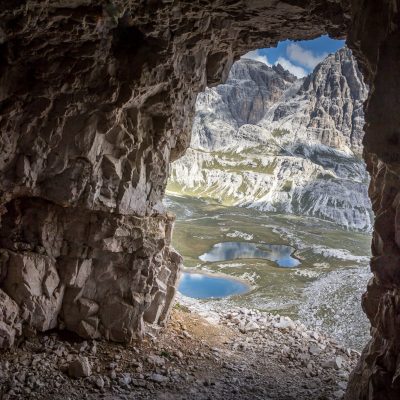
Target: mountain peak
x: 261, y: 66
x: 284, y: 72
x: 268, y: 140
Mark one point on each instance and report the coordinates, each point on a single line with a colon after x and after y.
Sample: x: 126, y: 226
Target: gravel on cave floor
x: 246, y: 355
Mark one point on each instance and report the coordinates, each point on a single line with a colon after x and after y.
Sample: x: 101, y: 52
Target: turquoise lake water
x: 202, y: 286
x: 280, y: 254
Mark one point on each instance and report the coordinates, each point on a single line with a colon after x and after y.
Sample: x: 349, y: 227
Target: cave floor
x: 191, y: 359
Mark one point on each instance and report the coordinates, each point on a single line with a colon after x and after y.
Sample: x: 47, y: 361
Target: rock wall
x: 98, y: 97
x: 95, y: 274
x: 376, y: 31
x: 84, y: 152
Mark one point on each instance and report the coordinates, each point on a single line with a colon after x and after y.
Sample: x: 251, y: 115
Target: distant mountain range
x: 270, y: 141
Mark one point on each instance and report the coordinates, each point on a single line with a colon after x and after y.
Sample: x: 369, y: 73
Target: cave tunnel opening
x: 274, y: 177
x: 96, y: 100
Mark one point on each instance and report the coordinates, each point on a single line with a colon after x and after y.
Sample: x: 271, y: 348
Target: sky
x: 298, y: 57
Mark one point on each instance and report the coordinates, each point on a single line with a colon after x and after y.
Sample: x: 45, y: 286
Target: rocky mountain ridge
x: 270, y: 141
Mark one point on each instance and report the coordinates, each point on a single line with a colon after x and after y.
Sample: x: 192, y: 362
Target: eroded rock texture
x: 97, y: 274
x: 98, y: 97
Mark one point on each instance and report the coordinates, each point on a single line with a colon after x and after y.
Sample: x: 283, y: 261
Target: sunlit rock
x: 267, y: 140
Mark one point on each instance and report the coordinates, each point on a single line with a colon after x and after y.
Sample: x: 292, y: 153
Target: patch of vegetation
x: 230, y: 155
x: 324, y: 176
x: 287, y: 187
x: 181, y: 307
x: 270, y: 168
x: 166, y: 354
x: 279, y: 132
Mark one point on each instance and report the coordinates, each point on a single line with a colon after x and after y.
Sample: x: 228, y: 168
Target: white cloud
x: 293, y: 69
x: 304, y: 57
x: 256, y: 56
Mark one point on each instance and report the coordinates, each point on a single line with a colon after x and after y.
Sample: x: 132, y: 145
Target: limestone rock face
x: 33, y: 282
x: 251, y: 89
x: 98, y: 97
x: 10, y: 326
x: 325, y: 108
x: 328, y: 107
x: 267, y: 140
x: 98, y: 274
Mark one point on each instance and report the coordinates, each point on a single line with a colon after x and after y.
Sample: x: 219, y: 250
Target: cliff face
x: 328, y: 107
x: 324, y: 108
x: 267, y: 140
x: 249, y: 92
x: 98, y: 98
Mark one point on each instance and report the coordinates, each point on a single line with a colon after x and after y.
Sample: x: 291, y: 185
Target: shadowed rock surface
x: 97, y: 99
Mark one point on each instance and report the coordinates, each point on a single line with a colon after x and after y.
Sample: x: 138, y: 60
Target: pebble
x: 79, y: 368
x: 158, y: 378
x: 156, y: 360
x: 314, y: 349
x: 335, y: 363
x: 99, y: 382
x: 338, y: 394
x: 285, y: 323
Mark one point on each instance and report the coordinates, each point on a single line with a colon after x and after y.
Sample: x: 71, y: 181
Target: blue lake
x: 280, y: 254
x: 201, y: 286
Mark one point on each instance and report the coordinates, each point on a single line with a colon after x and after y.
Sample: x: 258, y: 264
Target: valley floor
x: 245, y: 355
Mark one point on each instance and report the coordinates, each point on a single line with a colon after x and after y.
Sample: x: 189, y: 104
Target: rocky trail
x: 243, y: 354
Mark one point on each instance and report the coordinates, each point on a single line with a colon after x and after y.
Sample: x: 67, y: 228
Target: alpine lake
x: 301, y: 267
